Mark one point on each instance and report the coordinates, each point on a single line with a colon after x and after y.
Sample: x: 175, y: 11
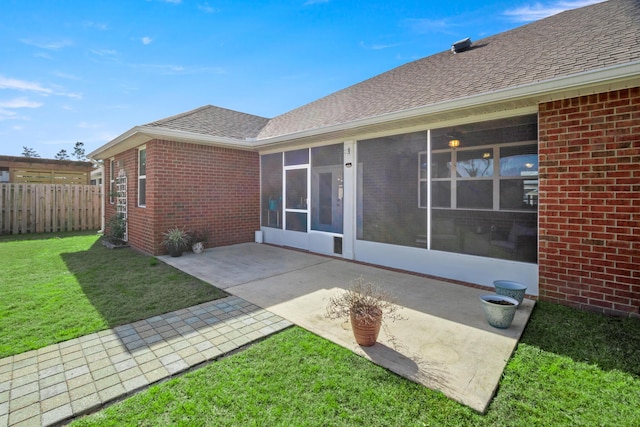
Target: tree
x: 62, y: 155
x: 29, y: 152
x: 78, y: 151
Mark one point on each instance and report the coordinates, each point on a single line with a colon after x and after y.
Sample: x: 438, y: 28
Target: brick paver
x: 53, y: 384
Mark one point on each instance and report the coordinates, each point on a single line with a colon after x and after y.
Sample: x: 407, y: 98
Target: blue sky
x: 90, y: 70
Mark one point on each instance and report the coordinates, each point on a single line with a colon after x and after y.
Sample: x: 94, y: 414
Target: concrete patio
x: 444, y: 342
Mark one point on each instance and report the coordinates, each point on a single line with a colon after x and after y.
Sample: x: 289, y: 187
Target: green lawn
x: 570, y: 369
x: 57, y: 287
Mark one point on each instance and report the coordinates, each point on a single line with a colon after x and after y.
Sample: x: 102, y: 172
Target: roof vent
x: 461, y: 45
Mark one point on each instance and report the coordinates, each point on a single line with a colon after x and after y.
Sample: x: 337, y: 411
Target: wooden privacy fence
x: 48, y: 208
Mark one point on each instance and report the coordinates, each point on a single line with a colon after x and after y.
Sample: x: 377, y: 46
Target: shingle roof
x: 590, y: 38
x: 214, y: 121
x: 575, y: 41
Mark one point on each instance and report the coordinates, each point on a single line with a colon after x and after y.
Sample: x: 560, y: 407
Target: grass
x: 570, y: 369
x: 57, y: 287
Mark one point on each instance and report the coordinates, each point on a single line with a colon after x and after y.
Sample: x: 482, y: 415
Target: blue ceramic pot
x: 511, y: 289
x: 499, y: 310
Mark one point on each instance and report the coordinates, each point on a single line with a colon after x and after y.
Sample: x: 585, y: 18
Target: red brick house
x: 517, y: 157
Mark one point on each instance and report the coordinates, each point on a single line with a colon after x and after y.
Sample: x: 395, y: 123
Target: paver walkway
x: 61, y: 381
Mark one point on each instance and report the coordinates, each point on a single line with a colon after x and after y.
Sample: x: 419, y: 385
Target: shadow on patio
x: 445, y: 342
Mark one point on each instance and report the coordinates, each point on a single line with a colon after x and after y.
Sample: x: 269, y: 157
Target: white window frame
x: 495, y: 178
x: 142, y: 177
x: 423, y: 157
x: 112, y: 181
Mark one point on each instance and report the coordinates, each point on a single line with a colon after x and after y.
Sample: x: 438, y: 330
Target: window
x: 142, y: 177
x: 494, y: 168
x: 422, y: 179
x: 484, y: 193
x: 519, y: 177
x: 4, y: 174
x: 112, y: 181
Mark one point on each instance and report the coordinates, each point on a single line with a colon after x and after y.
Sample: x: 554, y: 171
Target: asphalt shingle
x: 572, y: 42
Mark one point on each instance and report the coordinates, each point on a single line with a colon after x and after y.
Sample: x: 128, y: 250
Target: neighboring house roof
x: 577, y: 49
x: 215, y: 121
x: 47, y: 171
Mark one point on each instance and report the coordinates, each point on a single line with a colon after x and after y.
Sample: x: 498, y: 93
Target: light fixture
x: 454, y: 140
x: 528, y: 165
x: 454, y: 143
x: 486, y: 155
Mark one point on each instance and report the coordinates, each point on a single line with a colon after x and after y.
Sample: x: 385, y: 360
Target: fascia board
x: 112, y: 147
x: 197, y: 138
x: 142, y: 134
x: 534, y: 92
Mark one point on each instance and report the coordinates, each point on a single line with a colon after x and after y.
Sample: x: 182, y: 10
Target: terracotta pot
x: 366, y: 334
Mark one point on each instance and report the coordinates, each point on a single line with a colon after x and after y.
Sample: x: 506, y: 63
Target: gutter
x: 140, y: 134
x: 537, y: 91
x: 547, y: 90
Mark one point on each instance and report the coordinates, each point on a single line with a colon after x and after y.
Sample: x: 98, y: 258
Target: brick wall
x: 590, y: 202
x: 194, y: 187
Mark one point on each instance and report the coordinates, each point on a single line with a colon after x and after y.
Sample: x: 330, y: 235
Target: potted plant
x: 198, y: 239
x: 176, y: 241
x: 366, y: 306
x: 499, y: 310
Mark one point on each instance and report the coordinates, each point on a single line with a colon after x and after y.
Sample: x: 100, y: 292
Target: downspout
x: 102, y: 197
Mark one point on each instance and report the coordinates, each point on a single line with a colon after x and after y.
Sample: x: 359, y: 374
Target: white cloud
x: 86, y: 125
x: 6, y: 114
x: 169, y: 69
x: 11, y: 115
x: 426, y: 26
x: 66, y: 76
x: 71, y: 95
x: 23, y: 85
x: 20, y: 103
x: 206, y: 8
x: 27, y: 86
x: 43, y: 55
x: 377, y: 46
x: 104, y: 52
x: 536, y: 11
x: 105, y: 56
x: 48, y: 44
x: 98, y: 25
x: 146, y: 40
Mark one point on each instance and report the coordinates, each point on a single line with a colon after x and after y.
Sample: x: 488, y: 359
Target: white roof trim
x: 139, y: 135
x: 574, y: 85
x: 537, y: 92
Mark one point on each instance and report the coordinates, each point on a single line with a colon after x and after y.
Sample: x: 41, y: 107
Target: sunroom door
x: 296, y: 199
x: 326, y: 199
